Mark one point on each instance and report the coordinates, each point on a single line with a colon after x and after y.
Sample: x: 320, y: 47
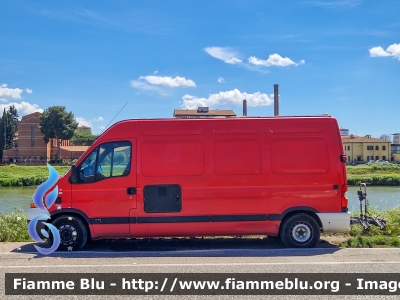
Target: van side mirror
x: 74, y: 175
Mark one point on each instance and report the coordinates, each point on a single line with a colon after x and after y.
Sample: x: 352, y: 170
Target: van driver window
x: 106, y: 161
x: 86, y: 170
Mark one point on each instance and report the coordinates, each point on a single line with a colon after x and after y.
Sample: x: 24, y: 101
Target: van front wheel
x: 300, y: 231
x: 73, y: 232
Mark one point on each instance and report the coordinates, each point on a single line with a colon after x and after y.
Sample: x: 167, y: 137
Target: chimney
x: 244, y: 108
x: 276, y: 100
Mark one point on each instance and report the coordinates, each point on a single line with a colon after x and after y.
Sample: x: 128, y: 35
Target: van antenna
x: 114, y: 117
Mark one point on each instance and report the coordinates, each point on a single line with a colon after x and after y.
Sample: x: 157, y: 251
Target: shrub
x: 13, y: 227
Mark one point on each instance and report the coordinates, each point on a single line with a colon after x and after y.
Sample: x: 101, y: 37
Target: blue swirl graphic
x: 38, y: 200
x: 56, y: 240
x: 32, y: 227
x: 44, y: 187
x: 51, y: 197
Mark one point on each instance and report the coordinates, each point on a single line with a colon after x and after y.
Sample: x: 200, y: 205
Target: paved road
x: 172, y: 257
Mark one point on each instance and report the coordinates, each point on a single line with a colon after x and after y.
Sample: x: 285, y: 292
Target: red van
x: 276, y: 176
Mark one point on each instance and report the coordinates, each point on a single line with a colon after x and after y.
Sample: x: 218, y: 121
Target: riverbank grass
x: 25, y: 175
x: 13, y: 227
x: 359, y: 238
x: 375, y: 174
x: 386, y: 174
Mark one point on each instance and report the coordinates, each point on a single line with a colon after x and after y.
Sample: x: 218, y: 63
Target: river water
x: 19, y: 198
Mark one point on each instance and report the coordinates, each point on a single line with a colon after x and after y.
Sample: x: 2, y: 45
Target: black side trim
x: 178, y: 219
x: 279, y: 217
x: 110, y: 220
x: 233, y: 218
x: 275, y: 217
x: 172, y: 219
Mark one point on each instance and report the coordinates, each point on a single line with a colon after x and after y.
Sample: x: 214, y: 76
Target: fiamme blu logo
x: 43, y: 204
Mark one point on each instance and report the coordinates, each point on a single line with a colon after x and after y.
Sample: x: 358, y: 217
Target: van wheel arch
x: 305, y: 222
x: 295, y: 211
x: 68, y: 223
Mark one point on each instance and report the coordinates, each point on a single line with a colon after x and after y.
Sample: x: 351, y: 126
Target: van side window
x: 106, y: 161
x: 115, y: 159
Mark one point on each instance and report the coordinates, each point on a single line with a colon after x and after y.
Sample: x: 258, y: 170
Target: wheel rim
x: 301, y: 233
x: 68, y: 234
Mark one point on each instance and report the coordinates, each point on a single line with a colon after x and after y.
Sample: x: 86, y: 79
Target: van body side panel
x: 170, y: 155
x: 304, y: 161
x: 230, y: 176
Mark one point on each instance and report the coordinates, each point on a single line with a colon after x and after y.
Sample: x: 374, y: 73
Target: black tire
x: 73, y: 233
x: 300, y: 231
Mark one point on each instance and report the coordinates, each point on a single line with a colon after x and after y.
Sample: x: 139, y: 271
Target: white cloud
x: 221, y: 80
x: 377, y: 51
x: 140, y: 85
x: 7, y: 93
x: 83, y: 122
x: 23, y: 108
x: 169, y: 81
x: 99, y: 119
x: 274, y: 60
x: 228, y: 98
x: 225, y: 54
x: 29, y: 91
x: 392, y: 50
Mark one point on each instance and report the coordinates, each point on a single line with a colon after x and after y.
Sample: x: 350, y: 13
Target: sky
x: 107, y: 61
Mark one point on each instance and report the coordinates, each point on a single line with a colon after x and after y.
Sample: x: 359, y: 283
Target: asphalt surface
x: 175, y: 256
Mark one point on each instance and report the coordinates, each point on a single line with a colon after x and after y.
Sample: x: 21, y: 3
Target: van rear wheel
x: 73, y: 233
x: 300, y: 231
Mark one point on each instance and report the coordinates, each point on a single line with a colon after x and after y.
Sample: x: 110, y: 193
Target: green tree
x: 83, y: 137
x: 8, y: 129
x: 386, y: 137
x: 11, y: 127
x: 57, y: 124
x: 2, y: 136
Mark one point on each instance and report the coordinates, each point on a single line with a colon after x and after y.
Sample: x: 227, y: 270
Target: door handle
x: 131, y: 191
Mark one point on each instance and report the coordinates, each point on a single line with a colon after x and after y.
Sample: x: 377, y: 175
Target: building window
x: 32, y: 136
x: 383, y: 147
x: 376, y: 147
x: 384, y: 157
x: 348, y: 147
x: 376, y: 157
x: 370, y: 147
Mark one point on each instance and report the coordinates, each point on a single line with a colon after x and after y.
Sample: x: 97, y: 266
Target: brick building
x: 31, y: 149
